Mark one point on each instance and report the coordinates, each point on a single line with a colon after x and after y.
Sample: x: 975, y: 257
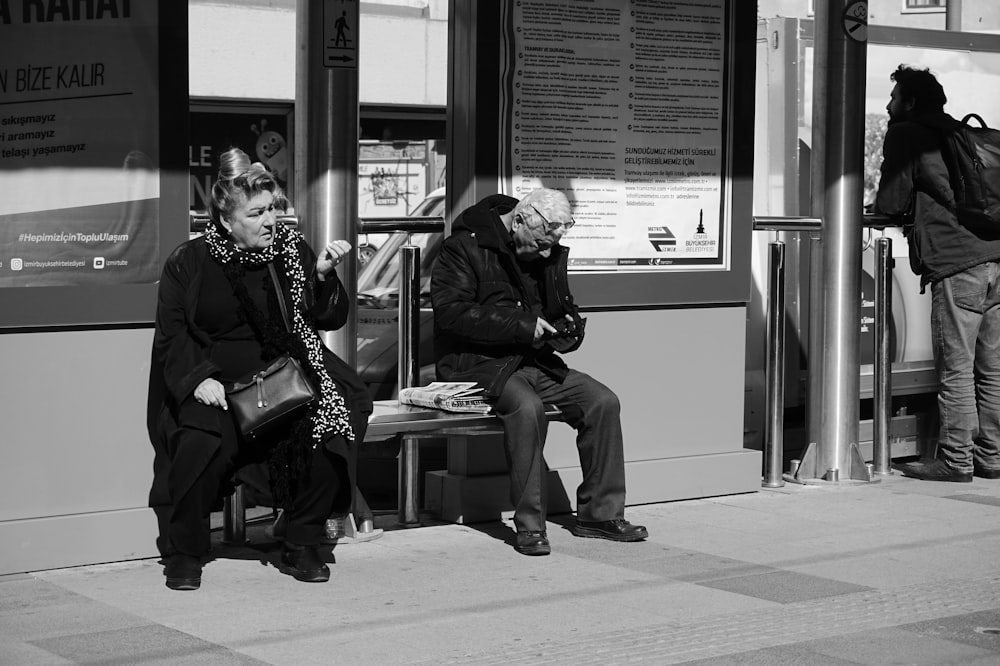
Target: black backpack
x: 972, y: 155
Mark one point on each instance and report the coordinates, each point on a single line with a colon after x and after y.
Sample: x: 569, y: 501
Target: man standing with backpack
x: 962, y: 268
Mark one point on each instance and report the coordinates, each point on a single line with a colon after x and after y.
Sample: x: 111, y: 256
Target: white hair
x: 552, y: 204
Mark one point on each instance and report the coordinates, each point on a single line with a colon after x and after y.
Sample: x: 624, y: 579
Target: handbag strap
x: 281, y: 297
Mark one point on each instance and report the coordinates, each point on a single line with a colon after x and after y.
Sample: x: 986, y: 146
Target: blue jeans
x: 588, y: 406
x: 965, y: 327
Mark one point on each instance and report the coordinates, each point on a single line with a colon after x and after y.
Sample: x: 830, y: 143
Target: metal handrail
x: 773, y: 441
x: 199, y: 220
x: 384, y: 225
x: 786, y: 223
x: 878, y: 221
x: 408, y: 368
x: 805, y: 223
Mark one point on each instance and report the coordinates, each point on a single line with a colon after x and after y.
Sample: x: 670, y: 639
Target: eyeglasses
x: 553, y: 226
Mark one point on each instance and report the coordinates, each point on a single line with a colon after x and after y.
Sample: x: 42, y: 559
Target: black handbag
x: 274, y: 396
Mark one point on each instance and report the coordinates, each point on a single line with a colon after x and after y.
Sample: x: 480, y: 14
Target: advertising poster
x: 79, y: 143
x: 392, y: 178
x: 265, y: 137
x: 621, y: 105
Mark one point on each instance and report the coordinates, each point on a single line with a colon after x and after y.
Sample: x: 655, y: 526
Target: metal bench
x: 390, y: 419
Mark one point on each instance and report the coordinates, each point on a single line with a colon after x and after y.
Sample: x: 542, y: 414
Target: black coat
x: 484, y: 318
x: 180, y: 357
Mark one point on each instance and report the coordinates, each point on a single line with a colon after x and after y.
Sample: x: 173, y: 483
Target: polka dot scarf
x: 331, y: 415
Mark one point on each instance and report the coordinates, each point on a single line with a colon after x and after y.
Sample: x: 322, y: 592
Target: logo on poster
x: 98, y: 263
x: 661, y: 238
x: 16, y: 264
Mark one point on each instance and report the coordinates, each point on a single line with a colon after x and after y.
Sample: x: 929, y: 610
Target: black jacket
x: 484, y: 321
x: 180, y: 356
x: 914, y: 181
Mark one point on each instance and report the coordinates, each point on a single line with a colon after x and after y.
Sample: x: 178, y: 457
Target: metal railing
x: 408, y: 371
x: 387, y: 225
x: 199, y: 220
x: 774, y: 373
x: 775, y: 341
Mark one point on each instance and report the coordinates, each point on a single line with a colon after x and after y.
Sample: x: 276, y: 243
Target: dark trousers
x: 593, y: 410
x: 326, y: 485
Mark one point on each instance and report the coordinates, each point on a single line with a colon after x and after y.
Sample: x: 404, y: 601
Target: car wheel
x: 365, y: 253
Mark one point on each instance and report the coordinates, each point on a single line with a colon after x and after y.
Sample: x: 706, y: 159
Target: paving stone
x: 148, y: 644
x: 783, y: 586
x: 980, y: 629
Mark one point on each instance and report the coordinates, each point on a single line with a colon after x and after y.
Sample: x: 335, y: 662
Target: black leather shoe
x: 303, y: 563
x: 987, y: 472
x: 183, y: 572
x: 618, y: 529
x: 532, y: 543
x: 933, y: 469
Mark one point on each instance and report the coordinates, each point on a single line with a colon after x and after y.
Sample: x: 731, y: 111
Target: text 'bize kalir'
x: 51, y: 77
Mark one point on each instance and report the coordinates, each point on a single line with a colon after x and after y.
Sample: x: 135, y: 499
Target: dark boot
x: 303, y: 563
x: 183, y: 572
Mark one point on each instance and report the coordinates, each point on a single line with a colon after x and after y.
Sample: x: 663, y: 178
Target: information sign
x: 622, y: 106
x: 340, y: 34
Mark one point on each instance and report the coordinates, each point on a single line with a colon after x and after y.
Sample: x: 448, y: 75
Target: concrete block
x: 477, y: 454
x: 474, y: 499
x: 433, y: 490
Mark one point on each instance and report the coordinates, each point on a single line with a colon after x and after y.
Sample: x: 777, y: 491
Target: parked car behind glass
x: 378, y: 305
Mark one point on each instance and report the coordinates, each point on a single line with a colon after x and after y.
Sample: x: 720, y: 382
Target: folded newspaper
x: 449, y: 396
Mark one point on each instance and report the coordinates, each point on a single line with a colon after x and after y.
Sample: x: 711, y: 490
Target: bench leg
x: 409, y: 463
x: 234, y: 518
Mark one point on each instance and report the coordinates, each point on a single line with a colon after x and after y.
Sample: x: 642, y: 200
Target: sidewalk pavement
x: 900, y: 571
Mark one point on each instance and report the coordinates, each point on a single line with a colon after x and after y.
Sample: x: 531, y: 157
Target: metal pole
x: 953, y: 15
x: 844, y: 73
x: 817, y: 198
x: 881, y: 454
x: 774, y: 426
x: 409, y: 375
x: 234, y: 529
x: 326, y: 155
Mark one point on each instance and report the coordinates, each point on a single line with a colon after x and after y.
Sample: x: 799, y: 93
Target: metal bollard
x: 882, y: 398
x: 409, y: 375
x: 234, y: 527
x: 774, y: 426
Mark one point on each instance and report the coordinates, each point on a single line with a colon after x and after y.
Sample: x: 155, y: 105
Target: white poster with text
x: 622, y: 106
x: 79, y: 143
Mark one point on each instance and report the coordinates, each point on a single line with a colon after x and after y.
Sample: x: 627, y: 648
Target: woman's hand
x: 211, y: 392
x: 334, y: 253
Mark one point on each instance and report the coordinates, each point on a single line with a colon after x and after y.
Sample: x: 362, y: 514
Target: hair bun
x: 232, y: 163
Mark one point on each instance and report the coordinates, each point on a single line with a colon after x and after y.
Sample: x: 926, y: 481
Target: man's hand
x: 541, y: 328
x: 211, y: 392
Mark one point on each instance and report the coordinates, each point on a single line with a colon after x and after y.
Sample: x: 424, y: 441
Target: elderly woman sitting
x: 218, y: 321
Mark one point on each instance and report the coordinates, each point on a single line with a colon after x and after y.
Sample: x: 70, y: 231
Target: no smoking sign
x: 855, y: 21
